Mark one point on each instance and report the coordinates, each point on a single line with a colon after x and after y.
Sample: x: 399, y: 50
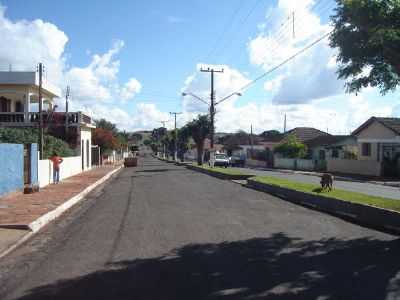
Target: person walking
x: 57, y: 160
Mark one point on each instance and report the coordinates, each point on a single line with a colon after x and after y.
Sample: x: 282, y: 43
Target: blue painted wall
x: 11, y: 168
x: 34, y: 164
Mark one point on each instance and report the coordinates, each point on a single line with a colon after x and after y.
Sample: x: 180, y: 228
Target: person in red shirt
x: 57, y: 160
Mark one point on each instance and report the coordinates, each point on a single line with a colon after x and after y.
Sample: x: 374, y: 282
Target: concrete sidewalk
x: 21, y: 214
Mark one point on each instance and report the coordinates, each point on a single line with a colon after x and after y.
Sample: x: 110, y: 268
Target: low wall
x: 284, y: 163
x: 351, y: 166
x: 255, y: 163
x: 305, y: 164
x: 294, y: 164
x: 12, y: 168
x: 366, y: 215
x: 69, y: 167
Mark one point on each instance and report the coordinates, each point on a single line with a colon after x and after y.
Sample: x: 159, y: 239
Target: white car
x: 221, y: 160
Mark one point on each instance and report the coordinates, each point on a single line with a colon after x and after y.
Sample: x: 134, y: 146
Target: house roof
x: 304, y: 134
x: 326, y: 140
x: 272, y: 139
x: 390, y: 123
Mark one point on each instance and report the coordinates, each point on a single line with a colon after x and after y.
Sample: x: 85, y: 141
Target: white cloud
x: 309, y: 76
x: 30, y: 42
x: 26, y: 43
x: 130, y: 89
x: 198, y: 83
x: 98, y: 80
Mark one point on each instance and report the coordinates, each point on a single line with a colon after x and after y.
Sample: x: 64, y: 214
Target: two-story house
x: 19, y: 99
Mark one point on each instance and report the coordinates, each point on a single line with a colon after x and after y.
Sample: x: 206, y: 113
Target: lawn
x: 315, y: 189
x: 227, y: 171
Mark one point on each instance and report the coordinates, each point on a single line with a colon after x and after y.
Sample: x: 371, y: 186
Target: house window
x: 335, y: 153
x: 322, y: 154
x: 366, y: 149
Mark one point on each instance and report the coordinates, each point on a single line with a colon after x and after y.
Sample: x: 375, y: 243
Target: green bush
x: 29, y: 136
x: 291, y: 148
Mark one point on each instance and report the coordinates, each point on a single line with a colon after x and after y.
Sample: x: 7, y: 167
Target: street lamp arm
x: 195, y: 96
x: 227, y: 97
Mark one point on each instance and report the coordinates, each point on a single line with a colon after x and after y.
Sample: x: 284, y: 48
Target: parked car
x: 221, y: 160
x: 130, y: 162
x: 237, y: 161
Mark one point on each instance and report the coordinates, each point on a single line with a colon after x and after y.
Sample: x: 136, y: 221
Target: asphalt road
x: 164, y: 232
x: 360, y: 187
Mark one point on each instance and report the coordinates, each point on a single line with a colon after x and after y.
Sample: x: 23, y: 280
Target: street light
x: 194, y: 96
x: 212, y: 110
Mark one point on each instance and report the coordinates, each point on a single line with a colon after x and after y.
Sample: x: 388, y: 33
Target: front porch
x: 31, y: 119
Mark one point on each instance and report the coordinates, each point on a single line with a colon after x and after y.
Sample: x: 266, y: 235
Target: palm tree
x: 199, y: 129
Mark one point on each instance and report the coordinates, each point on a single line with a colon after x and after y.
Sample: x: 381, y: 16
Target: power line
x: 227, y: 27
x: 281, y: 35
x: 250, y: 12
x: 277, y: 66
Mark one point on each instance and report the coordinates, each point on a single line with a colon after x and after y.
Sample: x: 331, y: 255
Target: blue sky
x: 128, y: 61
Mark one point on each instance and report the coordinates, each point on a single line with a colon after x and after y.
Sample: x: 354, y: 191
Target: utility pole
x: 163, y: 123
x: 41, y: 69
x: 176, y: 136
x: 251, y: 140
x: 293, y: 32
x: 212, y: 108
x: 66, y: 112
x: 284, y: 125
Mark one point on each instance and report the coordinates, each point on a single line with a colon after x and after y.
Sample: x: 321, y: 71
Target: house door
x: 27, y: 163
x: 5, y: 104
x: 87, y: 154
x: 83, y: 154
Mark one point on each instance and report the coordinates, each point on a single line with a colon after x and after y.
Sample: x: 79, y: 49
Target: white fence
x: 294, y: 164
x: 69, y: 167
x: 360, y: 167
x: 255, y: 163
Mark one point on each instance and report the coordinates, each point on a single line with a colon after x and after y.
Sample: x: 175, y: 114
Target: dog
x: 326, y: 181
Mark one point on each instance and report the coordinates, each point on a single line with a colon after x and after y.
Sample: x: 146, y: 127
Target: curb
x: 361, y: 214
x: 42, y: 221
x: 219, y: 175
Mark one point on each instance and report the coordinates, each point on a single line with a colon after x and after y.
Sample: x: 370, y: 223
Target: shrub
x: 29, y: 136
x: 291, y: 148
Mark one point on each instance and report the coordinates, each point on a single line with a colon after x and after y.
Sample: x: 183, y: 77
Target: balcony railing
x: 54, y: 119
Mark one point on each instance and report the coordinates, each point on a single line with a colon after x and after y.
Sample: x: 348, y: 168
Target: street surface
x: 360, y: 187
x: 161, y: 231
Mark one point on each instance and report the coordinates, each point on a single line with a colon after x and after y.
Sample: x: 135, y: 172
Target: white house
x: 378, y: 141
x: 19, y: 98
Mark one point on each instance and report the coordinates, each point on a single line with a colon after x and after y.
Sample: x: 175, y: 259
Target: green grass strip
x: 227, y: 171
x: 315, y: 189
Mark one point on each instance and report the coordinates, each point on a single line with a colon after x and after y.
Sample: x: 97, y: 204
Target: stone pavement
x: 19, y: 210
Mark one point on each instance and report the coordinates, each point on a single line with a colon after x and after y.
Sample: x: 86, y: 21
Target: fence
x: 69, y: 167
x: 18, y: 167
x: 294, y: 164
x: 351, y: 166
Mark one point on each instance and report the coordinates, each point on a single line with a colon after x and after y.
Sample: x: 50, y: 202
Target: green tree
x: 183, y: 141
x: 104, y: 124
x: 29, y: 136
x: 232, y: 141
x: 367, y: 35
x: 199, y: 129
x: 270, y: 133
x: 291, y: 148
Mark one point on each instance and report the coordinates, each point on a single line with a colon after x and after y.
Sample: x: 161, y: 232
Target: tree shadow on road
x: 278, y: 267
